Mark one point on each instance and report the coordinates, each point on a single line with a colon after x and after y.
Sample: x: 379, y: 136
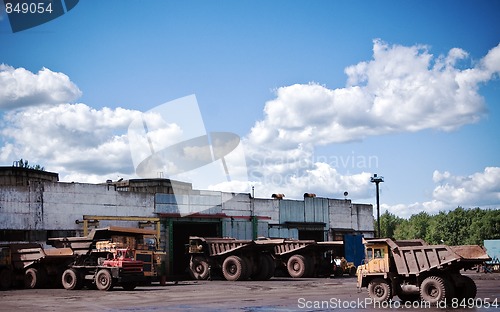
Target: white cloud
x: 481, y: 189
x: 21, y: 88
x: 402, y: 89
x: 72, y: 139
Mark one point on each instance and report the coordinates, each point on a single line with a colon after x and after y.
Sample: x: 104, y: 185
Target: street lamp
x: 376, y: 179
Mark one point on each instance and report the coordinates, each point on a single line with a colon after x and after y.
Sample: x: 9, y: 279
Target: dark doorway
x: 181, y: 232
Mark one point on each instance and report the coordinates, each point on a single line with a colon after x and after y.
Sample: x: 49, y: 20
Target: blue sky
x: 282, y: 65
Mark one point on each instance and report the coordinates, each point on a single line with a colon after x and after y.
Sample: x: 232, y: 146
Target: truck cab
x: 376, y: 258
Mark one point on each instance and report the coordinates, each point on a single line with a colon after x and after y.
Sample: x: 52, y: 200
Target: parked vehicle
x: 258, y: 259
x: 414, y: 270
x: 341, y: 267
x: 105, y: 268
x: 31, y: 266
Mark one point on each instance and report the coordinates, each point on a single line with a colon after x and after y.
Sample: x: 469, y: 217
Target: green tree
x: 388, y: 224
x: 21, y: 163
x: 415, y: 227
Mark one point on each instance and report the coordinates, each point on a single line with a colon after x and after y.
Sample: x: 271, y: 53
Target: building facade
x: 34, y: 206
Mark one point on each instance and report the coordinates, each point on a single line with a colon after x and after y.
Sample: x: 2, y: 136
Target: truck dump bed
x: 221, y: 246
x: 293, y: 246
x: 415, y: 258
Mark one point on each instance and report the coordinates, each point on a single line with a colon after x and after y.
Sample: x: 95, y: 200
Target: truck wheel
x: 296, y: 266
x: 271, y: 266
x: 262, y: 270
x: 129, y: 286
x: 34, y: 278
x: 198, y: 268
x: 352, y: 271
x: 104, y: 280
x: 338, y: 272
x: 433, y: 289
x: 5, y: 279
x: 468, y: 290
x: 379, y: 290
x: 233, y: 268
x: 71, y: 280
x: 248, y: 268
x: 310, y: 267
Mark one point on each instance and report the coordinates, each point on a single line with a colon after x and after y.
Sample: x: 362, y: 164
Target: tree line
x: 456, y: 227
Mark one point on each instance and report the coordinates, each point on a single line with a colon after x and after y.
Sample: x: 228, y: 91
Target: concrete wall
x: 56, y: 206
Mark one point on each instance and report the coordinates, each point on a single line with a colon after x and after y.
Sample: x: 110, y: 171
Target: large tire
x: 271, y: 266
x: 352, y: 271
x: 310, y: 266
x: 296, y: 266
x: 248, y: 268
x: 262, y: 269
x: 34, y: 278
x: 433, y: 290
x: 129, y: 286
x: 71, y: 280
x: 104, y: 280
x: 468, y: 290
x: 379, y: 290
x: 199, y: 268
x: 5, y: 279
x: 234, y: 268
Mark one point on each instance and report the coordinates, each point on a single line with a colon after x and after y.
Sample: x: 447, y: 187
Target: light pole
x: 376, y: 179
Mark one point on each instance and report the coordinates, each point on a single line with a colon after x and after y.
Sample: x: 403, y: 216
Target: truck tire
x: 338, y: 272
x: 249, y: 268
x: 71, y: 280
x: 34, y: 278
x: 233, y: 268
x: 129, y: 286
x: 379, y: 290
x: 310, y: 266
x: 262, y: 271
x: 296, y: 266
x: 468, y: 290
x: 352, y: 271
x: 199, y: 268
x: 5, y: 279
x: 104, y: 280
x: 271, y: 266
x: 433, y: 289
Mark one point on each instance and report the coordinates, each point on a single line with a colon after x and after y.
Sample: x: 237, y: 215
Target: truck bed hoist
x: 414, y: 270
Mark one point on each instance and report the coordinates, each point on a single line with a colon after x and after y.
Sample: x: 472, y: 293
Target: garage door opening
x: 181, y: 232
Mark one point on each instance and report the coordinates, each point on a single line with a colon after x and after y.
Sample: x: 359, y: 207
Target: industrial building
x: 35, y: 206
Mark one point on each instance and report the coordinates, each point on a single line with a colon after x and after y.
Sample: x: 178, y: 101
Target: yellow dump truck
x: 414, y: 270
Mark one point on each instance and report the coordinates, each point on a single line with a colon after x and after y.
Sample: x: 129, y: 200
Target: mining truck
x: 32, y: 266
x: 306, y: 258
x: 258, y: 259
x: 142, y: 242
x: 237, y: 259
x: 414, y: 270
x: 104, y: 268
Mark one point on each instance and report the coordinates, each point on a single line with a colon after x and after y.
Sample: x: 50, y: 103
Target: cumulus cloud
x: 401, y: 89
x: 73, y: 139
x: 480, y: 189
x: 20, y: 88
